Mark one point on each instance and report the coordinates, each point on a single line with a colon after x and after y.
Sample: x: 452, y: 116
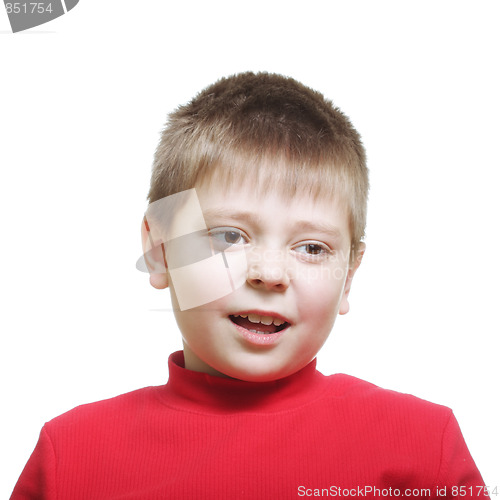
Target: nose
x: 267, y: 269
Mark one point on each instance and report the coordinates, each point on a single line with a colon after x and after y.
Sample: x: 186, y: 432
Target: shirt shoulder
x: 118, y: 409
x: 380, y: 402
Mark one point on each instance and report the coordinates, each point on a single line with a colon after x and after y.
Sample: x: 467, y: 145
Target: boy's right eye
x: 224, y: 237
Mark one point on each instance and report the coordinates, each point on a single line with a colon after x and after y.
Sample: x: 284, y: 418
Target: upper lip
x: 262, y: 313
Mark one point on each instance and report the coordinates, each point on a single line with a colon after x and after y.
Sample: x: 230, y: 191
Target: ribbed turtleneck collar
x: 189, y: 390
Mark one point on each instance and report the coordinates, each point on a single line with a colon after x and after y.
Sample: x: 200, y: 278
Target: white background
x: 82, y: 102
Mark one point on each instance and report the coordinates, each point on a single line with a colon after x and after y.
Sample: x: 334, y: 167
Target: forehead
x: 270, y: 170
x: 254, y: 205
x: 272, y: 174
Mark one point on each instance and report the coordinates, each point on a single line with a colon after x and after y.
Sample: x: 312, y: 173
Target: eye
x: 313, y: 250
x: 224, y: 237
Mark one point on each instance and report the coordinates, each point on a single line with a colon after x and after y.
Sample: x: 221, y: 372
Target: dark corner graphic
x: 25, y: 15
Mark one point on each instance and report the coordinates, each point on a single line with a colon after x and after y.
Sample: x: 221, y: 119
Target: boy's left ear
x: 344, y: 304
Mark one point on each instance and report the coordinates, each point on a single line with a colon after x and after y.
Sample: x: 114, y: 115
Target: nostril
x: 270, y: 273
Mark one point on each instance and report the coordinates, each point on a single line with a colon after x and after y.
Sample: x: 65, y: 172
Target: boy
x: 256, y: 218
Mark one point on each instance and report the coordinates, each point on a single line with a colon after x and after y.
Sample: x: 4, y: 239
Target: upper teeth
x: 265, y: 320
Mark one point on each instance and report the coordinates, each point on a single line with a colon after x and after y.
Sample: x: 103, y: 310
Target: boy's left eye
x: 312, y: 249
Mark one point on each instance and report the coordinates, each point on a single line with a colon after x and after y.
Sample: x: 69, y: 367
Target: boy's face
x: 296, y: 279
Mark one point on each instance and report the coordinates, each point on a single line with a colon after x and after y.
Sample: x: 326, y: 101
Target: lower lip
x: 260, y: 338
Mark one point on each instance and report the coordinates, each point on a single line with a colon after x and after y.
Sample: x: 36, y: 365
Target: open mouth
x: 259, y: 324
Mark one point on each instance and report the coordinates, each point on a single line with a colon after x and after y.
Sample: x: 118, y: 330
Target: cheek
x: 320, y: 293
x: 200, y: 321
x: 210, y: 279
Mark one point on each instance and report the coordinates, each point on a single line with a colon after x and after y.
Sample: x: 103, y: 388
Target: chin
x: 259, y: 370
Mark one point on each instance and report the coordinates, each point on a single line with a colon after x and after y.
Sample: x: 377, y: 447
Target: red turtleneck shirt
x: 206, y: 437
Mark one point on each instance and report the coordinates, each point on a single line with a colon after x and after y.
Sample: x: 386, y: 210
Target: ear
x: 154, y: 256
x: 344, y: 303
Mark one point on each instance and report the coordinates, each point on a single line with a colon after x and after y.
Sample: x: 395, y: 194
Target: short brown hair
x: 240, y: 126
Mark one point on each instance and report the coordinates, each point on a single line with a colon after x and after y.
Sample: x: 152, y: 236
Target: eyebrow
x: 321, y: 227
x: 231, y: 214
x: 251, y: 218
